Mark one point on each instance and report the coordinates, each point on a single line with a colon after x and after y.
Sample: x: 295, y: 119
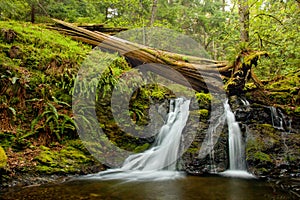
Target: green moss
x: 3, y: 158
x: 250, y: 86
x: 284, y: 90
x: 44, y: 148
x: 201, y: 116
x: 282, y: 98
x: 46, y: 158
x: 192, y: 150
x: 142, y: 148
x: 253, y: 145
x: 297, y: 110
x: 77, y: 144
x: 203, y: 113
x: 262, y: 157
x: 204, y: 99
x: 287, y: 82
x: 268, y: 126
x: 68, y: 160
x: 268, y: 130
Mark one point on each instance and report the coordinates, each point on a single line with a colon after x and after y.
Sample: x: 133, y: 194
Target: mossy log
x: 243, y: 71
x: 202, y: 74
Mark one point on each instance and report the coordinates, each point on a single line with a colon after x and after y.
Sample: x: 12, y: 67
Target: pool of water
x: 189, y: 187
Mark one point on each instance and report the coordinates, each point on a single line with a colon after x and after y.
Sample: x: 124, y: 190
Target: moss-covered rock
x: 142, y: 148
x: 202, y: 113
x: 271, y: 151
x: 261, y: 144
x: 204, y: 99
x: 3, y: 158
x: 65, y: 161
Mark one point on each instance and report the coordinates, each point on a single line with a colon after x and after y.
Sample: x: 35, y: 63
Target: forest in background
x: 222, y: 27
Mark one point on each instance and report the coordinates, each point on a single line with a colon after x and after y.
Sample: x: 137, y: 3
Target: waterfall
x: 236, y: 147
x: 158, y: 162
x: 237, y: 162
x: 277, y: 121
x: 245, y: 102
x: 282, y: 123
x: 164, y: 153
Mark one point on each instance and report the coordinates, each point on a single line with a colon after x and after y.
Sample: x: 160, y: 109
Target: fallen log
x: 202, y: 74
x: 94, y: 28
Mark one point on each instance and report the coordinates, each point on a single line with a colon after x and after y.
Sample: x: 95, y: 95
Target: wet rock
x: 272, y: 147
x: 199, y: 159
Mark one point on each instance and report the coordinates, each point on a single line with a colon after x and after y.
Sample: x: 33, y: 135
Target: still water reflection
x: 181, y: 189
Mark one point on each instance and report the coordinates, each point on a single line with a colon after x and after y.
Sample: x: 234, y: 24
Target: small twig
x: 271, y: 16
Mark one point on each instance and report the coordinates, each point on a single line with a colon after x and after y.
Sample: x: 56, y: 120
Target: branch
x: 271, y: 16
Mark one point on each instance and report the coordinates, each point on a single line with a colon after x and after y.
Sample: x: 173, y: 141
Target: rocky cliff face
x: 271, y: 139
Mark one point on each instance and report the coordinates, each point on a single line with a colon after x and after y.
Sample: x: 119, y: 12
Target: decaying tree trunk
x: 243, y: 71
x: 202, y: 74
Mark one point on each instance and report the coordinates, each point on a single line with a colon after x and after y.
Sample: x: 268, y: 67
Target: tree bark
x: 32, y: 13
x: 153, y: 12
x: 223, y: 5
x: 244, y: 14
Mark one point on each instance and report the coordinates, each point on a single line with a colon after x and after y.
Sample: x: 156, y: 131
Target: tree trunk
x: 223, y: 5
x: 244, y: 20
x: 153, y: 12
x: 32, y: 13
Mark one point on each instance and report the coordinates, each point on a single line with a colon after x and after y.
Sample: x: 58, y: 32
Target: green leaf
x: 12, y: 110
x: 14, y: 80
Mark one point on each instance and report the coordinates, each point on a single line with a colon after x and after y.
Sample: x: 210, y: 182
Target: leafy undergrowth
x: 37, y: 70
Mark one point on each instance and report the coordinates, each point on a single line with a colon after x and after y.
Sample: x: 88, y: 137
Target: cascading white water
x: 277, y: 120
x: 159, y: 162
x: 245, y: 102
x: 282, y: 123
x: 237, y: 162
x: 164, y: 153
x: 236, y: 147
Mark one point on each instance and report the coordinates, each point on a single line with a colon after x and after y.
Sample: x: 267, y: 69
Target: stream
x: 189, y: 187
